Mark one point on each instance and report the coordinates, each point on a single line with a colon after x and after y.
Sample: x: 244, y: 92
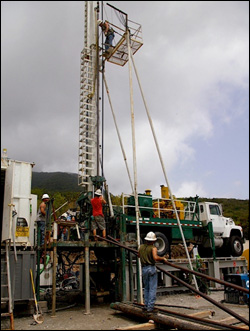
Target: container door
x: 7, y: 201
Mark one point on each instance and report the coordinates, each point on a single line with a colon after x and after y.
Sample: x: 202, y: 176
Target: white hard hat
x: 151, y: 236
x: 99, y: 22
x: 45, y: 196
x: 98, y: 192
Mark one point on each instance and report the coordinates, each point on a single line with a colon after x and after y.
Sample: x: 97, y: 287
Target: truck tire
x: 236, y: 246
x: 162, y: 244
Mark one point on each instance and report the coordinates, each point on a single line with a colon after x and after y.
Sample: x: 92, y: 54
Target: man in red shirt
x: 98, y: 221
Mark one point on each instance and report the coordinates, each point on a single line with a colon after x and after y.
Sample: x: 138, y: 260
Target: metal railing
x: 162, y: 207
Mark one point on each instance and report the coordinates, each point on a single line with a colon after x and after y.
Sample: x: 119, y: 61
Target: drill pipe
x: 169, y: 321
x: 230, y: 312
x: 237, y: 287
x: 194, y: 319
x: 242, y: 319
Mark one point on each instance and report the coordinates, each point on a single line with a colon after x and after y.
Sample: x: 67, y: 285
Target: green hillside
x: 56, y: 181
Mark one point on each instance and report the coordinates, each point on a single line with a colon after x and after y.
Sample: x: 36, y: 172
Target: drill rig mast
x: 88, y: 158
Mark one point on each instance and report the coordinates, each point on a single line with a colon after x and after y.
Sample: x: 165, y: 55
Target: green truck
x: 203, y: 224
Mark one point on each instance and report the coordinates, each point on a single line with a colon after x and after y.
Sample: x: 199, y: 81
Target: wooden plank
x: 143, y: 326
x: 230, y: 320
x: 243, y: 326
x: 203, y: 314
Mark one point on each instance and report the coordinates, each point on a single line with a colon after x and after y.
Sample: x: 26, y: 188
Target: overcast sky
x: 194, y: 71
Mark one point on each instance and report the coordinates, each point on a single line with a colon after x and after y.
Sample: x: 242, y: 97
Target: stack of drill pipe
x: 195, y: 318
x: 232, y: 313
x: 134, y: 251
x: 172, y: 322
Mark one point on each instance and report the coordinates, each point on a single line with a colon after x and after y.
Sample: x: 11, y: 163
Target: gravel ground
x: 102, y: 317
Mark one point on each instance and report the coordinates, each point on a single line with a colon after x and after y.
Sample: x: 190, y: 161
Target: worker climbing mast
x: 88, y: 159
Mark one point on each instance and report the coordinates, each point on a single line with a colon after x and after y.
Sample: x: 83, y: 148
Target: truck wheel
x: 161, y: 244
x: 236, y: 246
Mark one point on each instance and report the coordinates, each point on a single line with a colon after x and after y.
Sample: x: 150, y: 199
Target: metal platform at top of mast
x: 119, y: 53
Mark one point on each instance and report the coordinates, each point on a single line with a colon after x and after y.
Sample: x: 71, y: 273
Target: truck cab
x: 228, y: 237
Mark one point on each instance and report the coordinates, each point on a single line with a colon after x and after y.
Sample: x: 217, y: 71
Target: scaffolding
x: 119, y: 54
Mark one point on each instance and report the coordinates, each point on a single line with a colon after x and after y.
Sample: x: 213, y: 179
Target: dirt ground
x: 102, y: 317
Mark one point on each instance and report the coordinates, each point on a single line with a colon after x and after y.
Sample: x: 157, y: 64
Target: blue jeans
x: 109, y: 41
x: 150, y: 281
x: 41, y: 225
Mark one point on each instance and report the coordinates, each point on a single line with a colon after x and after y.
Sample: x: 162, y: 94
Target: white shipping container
x: 19, y: 205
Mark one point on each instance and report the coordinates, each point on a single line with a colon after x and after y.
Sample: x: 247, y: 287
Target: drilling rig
x: 174, y: 221
x: 90, y: 158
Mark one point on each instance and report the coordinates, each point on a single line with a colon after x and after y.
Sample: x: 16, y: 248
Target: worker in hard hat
x: 41, y: 217
x: 148, y: 256
x: 98, y: 221
x: 108, y: 32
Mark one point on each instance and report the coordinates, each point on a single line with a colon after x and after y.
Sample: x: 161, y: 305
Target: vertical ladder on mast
x: 87, y: 114
x: 6, y: 294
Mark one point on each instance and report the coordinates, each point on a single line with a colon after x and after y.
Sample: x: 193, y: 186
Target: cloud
x: 194, y: 71
x: 191, y: 189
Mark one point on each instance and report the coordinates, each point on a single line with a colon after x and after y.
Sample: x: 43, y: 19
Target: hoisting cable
x: 164, y: 172
x: 97, y: 82
x: 102, y: 91
x: 118, y: 133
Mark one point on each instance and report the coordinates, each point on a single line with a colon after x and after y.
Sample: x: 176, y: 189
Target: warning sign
x: 22, y: 231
